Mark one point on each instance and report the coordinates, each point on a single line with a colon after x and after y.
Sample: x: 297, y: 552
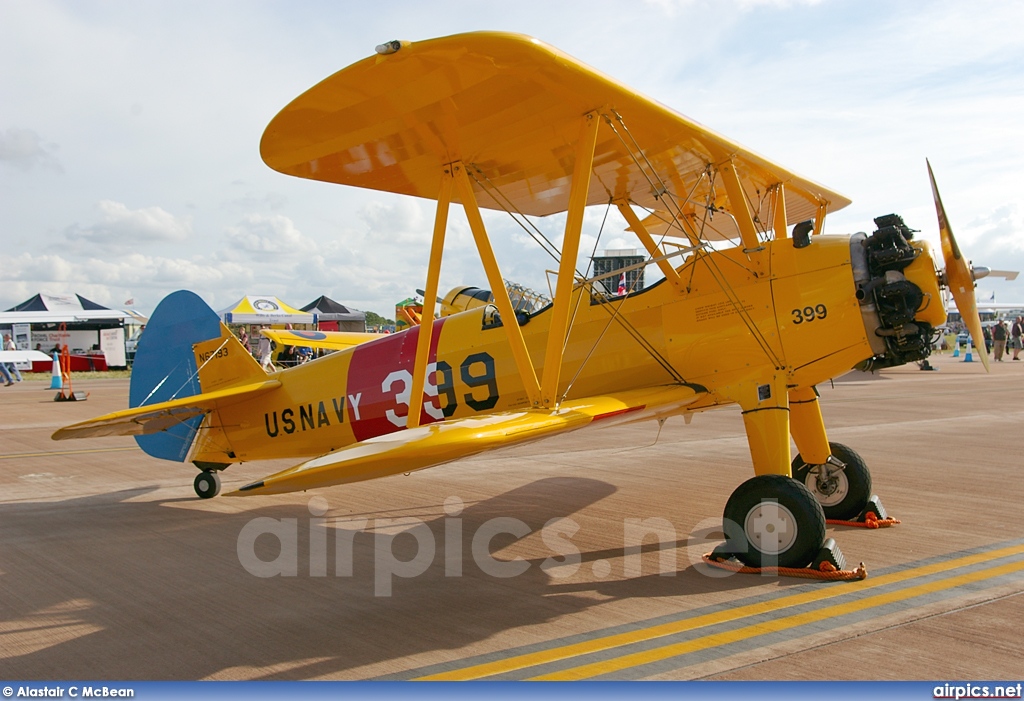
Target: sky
x: 129, y: 133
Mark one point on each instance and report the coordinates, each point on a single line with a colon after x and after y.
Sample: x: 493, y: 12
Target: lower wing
x: 434, y: 444
x: 326, y: 340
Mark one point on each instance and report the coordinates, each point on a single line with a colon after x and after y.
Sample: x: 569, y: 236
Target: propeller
x: 959, y: 277
x: 980, y: 272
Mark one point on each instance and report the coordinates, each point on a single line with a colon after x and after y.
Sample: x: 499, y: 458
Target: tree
x: 373, y: 319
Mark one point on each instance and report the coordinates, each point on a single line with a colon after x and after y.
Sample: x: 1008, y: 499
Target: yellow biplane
x: 756, y: 306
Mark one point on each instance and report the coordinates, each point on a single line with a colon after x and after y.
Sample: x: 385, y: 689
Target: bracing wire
x: 711, y: 263
x: 506, y: 204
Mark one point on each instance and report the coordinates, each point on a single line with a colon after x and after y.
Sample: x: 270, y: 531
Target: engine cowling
x: 898, y: 291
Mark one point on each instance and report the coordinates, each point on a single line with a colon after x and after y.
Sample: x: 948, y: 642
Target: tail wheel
x: 774, y: 521
x: 207, y: 484
x: 844, y: 493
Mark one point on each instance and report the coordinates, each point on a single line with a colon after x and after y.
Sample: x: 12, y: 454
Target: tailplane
x: 187, y: 365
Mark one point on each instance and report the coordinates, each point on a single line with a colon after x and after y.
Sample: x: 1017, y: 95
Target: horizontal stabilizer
x: 154, y: 418
x: 435, y: 444
x: 326, y: 340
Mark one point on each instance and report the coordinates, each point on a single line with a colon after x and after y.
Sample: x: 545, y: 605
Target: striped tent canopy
x: 264, y: 309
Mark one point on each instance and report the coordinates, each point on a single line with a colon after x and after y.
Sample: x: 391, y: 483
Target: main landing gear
x: 773, y: 521
x: 842, y: 485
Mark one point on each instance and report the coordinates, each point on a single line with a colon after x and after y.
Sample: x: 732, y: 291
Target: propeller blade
x: 958, y: 275
x: 1008, y: 274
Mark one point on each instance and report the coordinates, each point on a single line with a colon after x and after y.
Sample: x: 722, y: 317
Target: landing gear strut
x: 774, y: 521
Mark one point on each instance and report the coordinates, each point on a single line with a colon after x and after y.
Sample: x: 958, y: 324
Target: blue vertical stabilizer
x: 165, y: 367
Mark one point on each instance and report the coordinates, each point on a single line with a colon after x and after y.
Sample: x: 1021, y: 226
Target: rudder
x: 224, y: 362
x: 165, y: 367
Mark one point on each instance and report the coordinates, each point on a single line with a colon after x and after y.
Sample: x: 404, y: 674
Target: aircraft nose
x: 899, y: 294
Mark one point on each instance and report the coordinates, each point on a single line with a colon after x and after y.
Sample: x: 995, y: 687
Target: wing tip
x: 247, y: 488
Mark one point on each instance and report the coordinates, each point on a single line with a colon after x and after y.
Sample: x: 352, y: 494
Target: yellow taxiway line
x: 717, y: 639
x: 609, y: 642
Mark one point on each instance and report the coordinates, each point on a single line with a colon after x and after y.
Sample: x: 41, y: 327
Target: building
x: 616, y: 259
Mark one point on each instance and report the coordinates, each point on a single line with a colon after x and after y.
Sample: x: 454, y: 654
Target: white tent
x: 59, y: 309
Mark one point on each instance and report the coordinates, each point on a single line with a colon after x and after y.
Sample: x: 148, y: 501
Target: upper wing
x: 510, y: 107
x: 434, y: 444
x: 328, y: 340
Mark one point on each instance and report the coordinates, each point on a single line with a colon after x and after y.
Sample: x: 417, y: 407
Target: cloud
x: 995, y: 233
x: 120, y: 226
x: 24, y: 149
x: 674, y: 7
x: 264, y: 237
x: 401, y: 220
x: 112, y: 280
x: 853, y: 95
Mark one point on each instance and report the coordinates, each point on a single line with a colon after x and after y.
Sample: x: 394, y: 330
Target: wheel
x: 774, y: 521
x: 207, y: 484
x: 843, y: 494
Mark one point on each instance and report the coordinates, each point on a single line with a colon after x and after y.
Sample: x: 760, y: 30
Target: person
x: 266, y: 354
x: 13, y: 367
x: 6, y: 374
x: 288, y: 357
x: 1015, y: 332
x: 999, y: 340
x: 243, y: 338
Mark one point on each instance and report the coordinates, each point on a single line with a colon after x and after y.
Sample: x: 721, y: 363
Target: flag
x: 129, y: 302
x: 622, y: 284
x: 993, y: 297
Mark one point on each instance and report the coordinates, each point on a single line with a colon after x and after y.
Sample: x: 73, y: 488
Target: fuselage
x: 730, y: 321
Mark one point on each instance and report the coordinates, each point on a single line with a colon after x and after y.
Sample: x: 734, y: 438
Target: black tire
x: 849, y: 495
x: 207, y: 484
x: 753, y: 516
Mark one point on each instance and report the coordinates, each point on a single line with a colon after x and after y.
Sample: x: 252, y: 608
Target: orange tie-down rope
x: 870, y: 521
x: 826, y: 570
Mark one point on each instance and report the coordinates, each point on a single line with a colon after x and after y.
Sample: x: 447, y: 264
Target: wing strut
x: 779, y: 211
x: 652, y: 248
x: 741, y: 212
x: 419, y: 368
x: 819, y: 221
x: 578, y: 193
x: 497, y: 283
